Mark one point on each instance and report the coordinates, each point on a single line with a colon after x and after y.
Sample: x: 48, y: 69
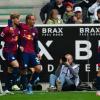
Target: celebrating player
x: 10, y: 37
x: 30, y: 53
x: 98, y: 83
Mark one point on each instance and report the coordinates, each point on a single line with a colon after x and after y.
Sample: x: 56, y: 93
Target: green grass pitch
x: 52, y: 96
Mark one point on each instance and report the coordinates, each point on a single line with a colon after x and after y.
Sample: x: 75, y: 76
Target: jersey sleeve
x: 2, y: 35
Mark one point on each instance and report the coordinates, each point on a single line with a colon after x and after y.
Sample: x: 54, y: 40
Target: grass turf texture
x: 52, y: 96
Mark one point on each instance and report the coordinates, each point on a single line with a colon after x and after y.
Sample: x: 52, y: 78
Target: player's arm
x: 20, y: 47
x: 2, y: 35
x: 11, y: 25
x: 1, y: 39
x: 74, y: 70
x: 37, y: 49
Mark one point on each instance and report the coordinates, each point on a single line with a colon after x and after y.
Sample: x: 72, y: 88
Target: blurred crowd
x: 70, y: 12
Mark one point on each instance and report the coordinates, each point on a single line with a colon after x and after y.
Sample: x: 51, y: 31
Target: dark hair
x: 98, y: 11
x: 63, y: 59
x: 14, y: 15
x: 28, y: 17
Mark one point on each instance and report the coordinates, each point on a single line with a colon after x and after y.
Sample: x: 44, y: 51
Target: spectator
x: 54, y: 17
x: 69, y: 12
x: 93, y: 9
x: 48, y: 7
x: 66, y: 73
x: 77, y: 18
x: 85, y: 4
x: 68, y: 78
x: 98, y: 15
x: 53, y: 77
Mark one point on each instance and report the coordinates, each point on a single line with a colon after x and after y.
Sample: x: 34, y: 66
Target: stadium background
x: 25, y: 7
x: 33, y: 6
x: 57, y: 43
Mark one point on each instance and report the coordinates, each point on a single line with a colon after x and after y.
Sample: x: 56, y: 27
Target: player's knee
x: 38, y: 68
x: 15, y: 64
x: 32, y: 70
x: 98, y: 74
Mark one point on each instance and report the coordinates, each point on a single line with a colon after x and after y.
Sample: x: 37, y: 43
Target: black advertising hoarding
x: 82, y: 41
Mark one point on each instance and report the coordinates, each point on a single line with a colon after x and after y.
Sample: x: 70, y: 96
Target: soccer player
x: 28, y: 45
x: 98, y: 83
x: 30, y: 52
x: 10, y: 37
x: 98, y: 74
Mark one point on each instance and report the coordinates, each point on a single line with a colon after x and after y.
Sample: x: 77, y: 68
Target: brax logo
x: 44, y: 51
x: 52, y: 30
x: 90, y: 31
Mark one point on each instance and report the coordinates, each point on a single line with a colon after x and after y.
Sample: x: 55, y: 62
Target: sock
x: 34, y: 77
x: 29, y: 84
x: 24, y: 81
x: 15, y: 75
x: 98, y: 83
x: 8, y: 82
x: 29, y: 76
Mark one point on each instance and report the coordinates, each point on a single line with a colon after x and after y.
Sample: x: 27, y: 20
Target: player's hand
x: 21, y: 48
x: 68, y: 62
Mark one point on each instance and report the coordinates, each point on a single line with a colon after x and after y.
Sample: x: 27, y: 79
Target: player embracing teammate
x: 25, y: 37
x: 10, y: 37
x: 31, y: 66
